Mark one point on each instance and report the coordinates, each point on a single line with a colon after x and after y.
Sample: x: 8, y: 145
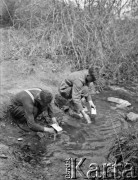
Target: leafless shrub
x: 125, y: 149
x: 94, y: 35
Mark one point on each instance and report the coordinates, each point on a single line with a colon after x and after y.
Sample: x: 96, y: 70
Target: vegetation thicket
x: 125, y: 150
x: 60, y: 31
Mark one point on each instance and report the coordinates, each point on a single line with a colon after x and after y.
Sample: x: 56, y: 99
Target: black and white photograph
x: 68, y: 89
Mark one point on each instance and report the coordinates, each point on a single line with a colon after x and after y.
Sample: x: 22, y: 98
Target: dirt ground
x: 37, y: 156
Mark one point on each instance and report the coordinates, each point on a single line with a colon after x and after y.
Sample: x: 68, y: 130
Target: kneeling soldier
x: 75, y: 87
x: 28, y: 104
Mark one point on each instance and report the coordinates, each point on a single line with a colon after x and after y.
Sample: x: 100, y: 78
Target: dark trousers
x: 17, y: 113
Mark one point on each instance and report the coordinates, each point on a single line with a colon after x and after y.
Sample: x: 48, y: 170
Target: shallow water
x: 85, y: 139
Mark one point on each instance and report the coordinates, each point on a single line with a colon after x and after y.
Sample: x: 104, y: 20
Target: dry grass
x: 125, y: 149
x: 62, y: 32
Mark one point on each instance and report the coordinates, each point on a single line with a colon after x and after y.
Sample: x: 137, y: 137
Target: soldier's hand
x: 54, y: 120
x: 92, y: 105
x: 50, y: 130
x: 86, y: 116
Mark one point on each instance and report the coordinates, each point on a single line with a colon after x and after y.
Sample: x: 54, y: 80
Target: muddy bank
x: 38, y: 156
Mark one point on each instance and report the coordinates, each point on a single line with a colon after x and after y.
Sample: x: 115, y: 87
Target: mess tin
x: 57, y: 127
x: 93, y: 111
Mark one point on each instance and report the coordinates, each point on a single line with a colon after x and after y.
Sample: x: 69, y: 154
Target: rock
x: 122, y: 90
x: 121, y: 103
x: 116, y: 88
x: 132, y: 116
x: 20, y: 139
x: 3, y: 156
x: 121, y: 106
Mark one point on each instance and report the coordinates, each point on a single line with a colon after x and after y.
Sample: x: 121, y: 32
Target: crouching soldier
x: 75, y: 87
x: 28, y: 104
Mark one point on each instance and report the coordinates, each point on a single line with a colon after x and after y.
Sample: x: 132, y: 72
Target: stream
x: 38, y: 156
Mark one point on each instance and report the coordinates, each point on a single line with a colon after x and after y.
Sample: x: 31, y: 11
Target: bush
x: 83, y: 37
x: 125, y: 149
